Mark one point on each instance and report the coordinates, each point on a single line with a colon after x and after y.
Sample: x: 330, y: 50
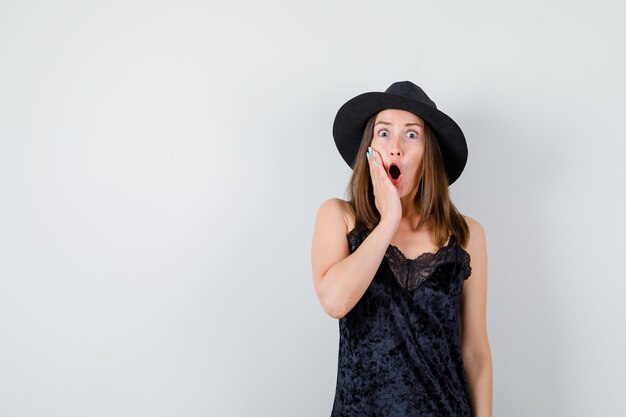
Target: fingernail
x: 375, y: 164
x: 368, y: 155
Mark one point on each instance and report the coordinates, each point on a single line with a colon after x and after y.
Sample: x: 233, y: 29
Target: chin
x: 404, y: 192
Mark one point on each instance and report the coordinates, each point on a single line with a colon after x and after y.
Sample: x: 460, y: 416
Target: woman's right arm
x: 340, y: 278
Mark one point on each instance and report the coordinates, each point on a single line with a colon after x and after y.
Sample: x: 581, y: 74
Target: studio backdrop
x: 161, y: 165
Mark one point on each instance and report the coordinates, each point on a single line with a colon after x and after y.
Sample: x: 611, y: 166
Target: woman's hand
x: 386, y: 194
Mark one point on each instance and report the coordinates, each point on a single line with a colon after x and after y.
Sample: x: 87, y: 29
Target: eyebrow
x: 408, y: 124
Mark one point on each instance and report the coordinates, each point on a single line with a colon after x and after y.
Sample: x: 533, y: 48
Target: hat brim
x: 352, y: 117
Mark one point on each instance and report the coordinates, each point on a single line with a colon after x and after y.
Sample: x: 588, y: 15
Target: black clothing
x: 399, y: 347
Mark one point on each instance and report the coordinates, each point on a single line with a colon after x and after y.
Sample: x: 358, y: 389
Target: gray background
x: 161, y: 165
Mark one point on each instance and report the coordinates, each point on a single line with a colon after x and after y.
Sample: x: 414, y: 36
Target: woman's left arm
x: 474, y: 341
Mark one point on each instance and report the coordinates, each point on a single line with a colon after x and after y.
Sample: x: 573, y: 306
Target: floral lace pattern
x: 411, y: 273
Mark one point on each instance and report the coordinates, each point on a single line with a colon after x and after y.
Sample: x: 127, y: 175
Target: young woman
x: 403, y: 271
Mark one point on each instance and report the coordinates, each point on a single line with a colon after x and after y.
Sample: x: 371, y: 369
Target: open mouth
x: 394, y: 173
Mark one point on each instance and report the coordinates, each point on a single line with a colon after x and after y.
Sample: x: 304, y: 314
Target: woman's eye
x: 412, y: 134
x: 383, y: 133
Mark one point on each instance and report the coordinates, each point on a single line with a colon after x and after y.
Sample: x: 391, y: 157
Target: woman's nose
x: 394, y: 147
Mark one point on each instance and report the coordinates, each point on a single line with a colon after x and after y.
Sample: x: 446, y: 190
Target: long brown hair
x: 432, y: 200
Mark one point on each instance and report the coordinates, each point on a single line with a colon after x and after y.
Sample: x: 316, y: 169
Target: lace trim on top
x: 411, y: 273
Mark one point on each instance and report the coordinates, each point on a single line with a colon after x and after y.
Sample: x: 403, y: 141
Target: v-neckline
x: 423, y: 254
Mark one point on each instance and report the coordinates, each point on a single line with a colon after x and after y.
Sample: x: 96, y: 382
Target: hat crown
x: 411, y: 91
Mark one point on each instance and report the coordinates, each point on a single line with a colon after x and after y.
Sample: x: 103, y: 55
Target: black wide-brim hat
x: 352, y: 117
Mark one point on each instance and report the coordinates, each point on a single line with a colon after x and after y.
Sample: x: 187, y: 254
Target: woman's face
x: 399, y: 138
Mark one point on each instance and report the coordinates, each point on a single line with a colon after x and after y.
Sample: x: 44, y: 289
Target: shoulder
x: 477, y: 243
x: 337, y: 209
x: 474, y: 225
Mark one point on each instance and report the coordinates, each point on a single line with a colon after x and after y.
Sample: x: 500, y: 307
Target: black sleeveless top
x: 399, y: 346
